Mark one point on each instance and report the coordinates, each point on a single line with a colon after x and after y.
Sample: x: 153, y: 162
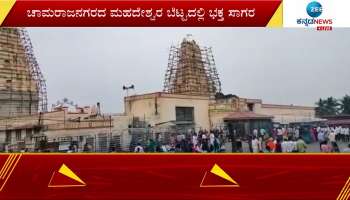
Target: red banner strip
x: 178, y: 176
x: 195, y: 13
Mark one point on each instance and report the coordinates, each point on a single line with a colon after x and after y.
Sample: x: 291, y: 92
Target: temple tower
x: 191, y: 70
x: 22, y: 86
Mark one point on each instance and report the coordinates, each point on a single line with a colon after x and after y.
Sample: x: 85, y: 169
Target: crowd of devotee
x: 203, y: 141
x: 276, y: 140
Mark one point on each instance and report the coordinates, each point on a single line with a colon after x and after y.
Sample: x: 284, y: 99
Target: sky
x: 279, y: 66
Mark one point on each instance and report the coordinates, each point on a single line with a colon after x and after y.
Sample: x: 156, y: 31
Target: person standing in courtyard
x: 255, y: 145
x: 211, y: 141
x: 332, y: 140
x: 270, y: 145
x: 278, y: 148
x: 301, y: 145
x: 321, y: 138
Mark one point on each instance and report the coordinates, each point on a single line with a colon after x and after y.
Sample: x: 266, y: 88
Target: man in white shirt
x: 321, y: 136
x: 331, y: 136
x: 296, y: 133
x: 255, y: 145
x: 194, y: 139
x: 332, y: 139
x: 211, y: 138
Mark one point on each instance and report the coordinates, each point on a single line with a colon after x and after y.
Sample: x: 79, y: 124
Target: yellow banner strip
x: 5, y: 7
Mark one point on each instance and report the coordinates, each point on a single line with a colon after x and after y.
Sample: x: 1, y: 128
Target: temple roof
x: 245, y: 116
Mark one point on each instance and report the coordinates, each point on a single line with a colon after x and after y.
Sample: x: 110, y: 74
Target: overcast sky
x: 280, y: 66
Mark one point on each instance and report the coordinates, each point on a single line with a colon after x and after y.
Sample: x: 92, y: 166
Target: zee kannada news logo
x: 314, y: 9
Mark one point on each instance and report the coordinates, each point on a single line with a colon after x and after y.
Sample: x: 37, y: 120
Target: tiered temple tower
x: 191, y: 70
x: 22, y: 86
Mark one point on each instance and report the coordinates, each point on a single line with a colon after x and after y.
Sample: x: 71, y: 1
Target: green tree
x: 329, y: 106
x: 345, y: 105
x: 321, y: 109
x: 332, y: 105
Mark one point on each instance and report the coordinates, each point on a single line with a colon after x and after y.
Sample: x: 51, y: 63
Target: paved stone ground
x: 311, y: 148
